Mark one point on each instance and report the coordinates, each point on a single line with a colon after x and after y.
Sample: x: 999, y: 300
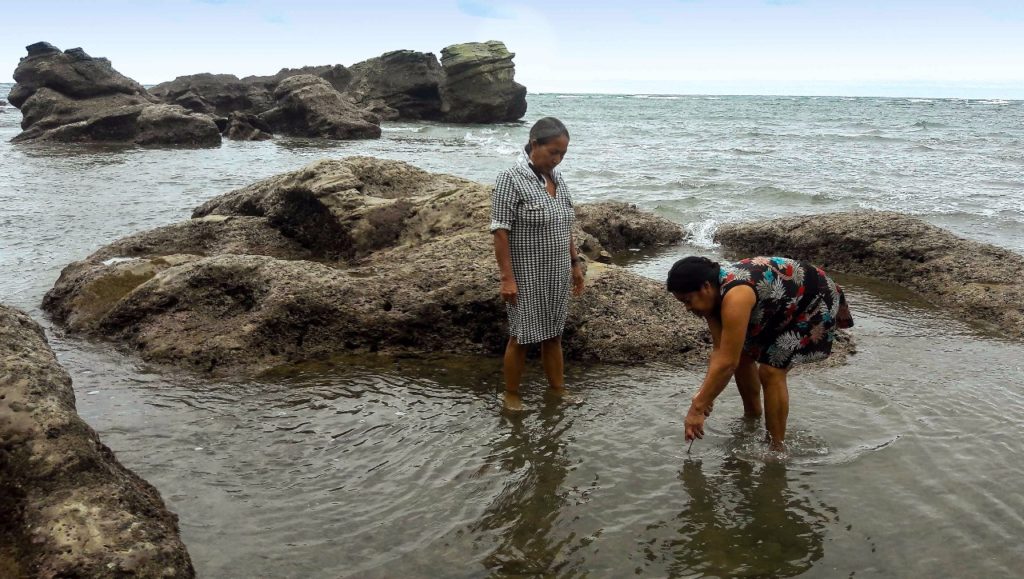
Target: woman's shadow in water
x: 742, y: 520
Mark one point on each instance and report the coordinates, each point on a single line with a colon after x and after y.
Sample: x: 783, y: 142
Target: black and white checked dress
x: 540, y: 231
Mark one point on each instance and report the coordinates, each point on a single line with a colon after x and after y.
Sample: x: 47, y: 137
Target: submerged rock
x: 70, y: 509
x: 70, y: 96
x: 480, y: 84
x: 975, y: 281
x: 355, y: 255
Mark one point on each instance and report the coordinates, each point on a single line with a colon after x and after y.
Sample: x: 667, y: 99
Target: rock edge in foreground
x: 70, y: 509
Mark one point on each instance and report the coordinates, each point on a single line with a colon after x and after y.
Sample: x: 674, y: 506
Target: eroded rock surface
x: 69, y: 508
x: 308, y: 106
x: 405, y: 81
x: 620, y: 226
x: 480, y: 84
x: 975, y: 281
x: 473, y: 83
x: 72, y: 97
x: 344, y: 256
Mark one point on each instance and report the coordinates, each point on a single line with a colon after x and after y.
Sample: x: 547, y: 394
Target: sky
x: 924, y: 48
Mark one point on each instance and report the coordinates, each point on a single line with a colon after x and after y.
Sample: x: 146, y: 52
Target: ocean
x: 903, y: 462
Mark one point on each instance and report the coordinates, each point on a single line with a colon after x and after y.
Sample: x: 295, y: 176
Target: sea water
x: 905, y: 461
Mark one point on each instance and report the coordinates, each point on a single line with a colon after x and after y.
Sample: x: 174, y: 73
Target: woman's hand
x: 694, y: 422
x: 577, y: 279
x: 509, y: 291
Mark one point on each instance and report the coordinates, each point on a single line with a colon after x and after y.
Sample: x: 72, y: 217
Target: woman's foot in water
x: 511, y: 401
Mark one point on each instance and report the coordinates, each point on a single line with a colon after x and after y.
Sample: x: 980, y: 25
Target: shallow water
x: 903, y: 462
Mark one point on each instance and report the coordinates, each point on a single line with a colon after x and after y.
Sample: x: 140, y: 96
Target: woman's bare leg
x: 515, y: 361
x: 554, y: 365
x: 776, y: 403
x: 749, y: 385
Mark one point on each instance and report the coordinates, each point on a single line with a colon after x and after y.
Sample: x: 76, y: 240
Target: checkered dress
x: 540, y: 231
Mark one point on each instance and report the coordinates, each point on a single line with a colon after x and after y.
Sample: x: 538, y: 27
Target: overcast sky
x: 937, y: 48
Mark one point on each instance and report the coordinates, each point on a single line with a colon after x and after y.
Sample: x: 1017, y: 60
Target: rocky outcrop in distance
x: 72, y: 97
x: 975, y: 281
x: 479, y: 84
x: 70, y: 509
x: 473, y: 83
x: 357, y: 255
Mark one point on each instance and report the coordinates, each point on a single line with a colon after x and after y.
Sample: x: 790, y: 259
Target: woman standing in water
x: 531, y: 219
x: 765, y: 315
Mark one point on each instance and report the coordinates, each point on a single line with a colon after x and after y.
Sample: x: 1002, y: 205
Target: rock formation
x: 347, y: 256
x: 70, y: 509
x: 219, y: 94
x: 479, y: 84
x: 70, y: 96
x: 975, y: 281
x: 308, y: 106
x: 473, y: 83
x: 407, y: 83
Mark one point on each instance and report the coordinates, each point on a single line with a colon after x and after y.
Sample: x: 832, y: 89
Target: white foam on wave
x: 114, y: 260
x: 702, y: 233
x: 403, y: 129
x: 498, y: 145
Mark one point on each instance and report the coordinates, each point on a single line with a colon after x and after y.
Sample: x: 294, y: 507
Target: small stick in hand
x: 691, y: 445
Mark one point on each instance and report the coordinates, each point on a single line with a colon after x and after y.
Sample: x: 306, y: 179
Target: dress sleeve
x: 503, y: 203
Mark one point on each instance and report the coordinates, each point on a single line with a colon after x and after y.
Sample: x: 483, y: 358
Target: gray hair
x: 546, y: 130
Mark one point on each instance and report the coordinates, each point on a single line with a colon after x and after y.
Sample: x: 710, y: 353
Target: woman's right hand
x: 509, y: 291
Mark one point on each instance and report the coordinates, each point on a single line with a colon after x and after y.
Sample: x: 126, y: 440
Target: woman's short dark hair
x: 689, y: 274
x: 546, y: 130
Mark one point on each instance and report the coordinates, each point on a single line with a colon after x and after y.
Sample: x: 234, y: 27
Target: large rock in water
x: 405, y: 81
x: 308, y: 106
x: 975, y: 281
x: 342, y: 256
x: 215, y: 93
x: 473, y: 83
x: 70, y: 96
x: 70, y: 509
x: 480, y: 84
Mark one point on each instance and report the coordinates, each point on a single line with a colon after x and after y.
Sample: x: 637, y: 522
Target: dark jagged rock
x: 247, y: 127
x: 70, y: 96
x: 216, y: 93
x: 622, y: 226
x: 480, y: 84
x: 404, y: 80
x: 337, y: 75
x: 70, y: 509
x: 354, y: 255
x: 475, y: 84
x: 975, y: 281
x: 72, y: 73
x: 308, y: 106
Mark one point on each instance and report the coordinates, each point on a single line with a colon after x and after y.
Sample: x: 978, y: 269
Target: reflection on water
x: 523, y: 514
x: 740, y: 519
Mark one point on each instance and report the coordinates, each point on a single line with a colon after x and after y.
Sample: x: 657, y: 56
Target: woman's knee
x: 771, y: 376
x: 556, y: 341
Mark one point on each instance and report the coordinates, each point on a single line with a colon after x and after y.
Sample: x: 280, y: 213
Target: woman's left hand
x: 577, y: 279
